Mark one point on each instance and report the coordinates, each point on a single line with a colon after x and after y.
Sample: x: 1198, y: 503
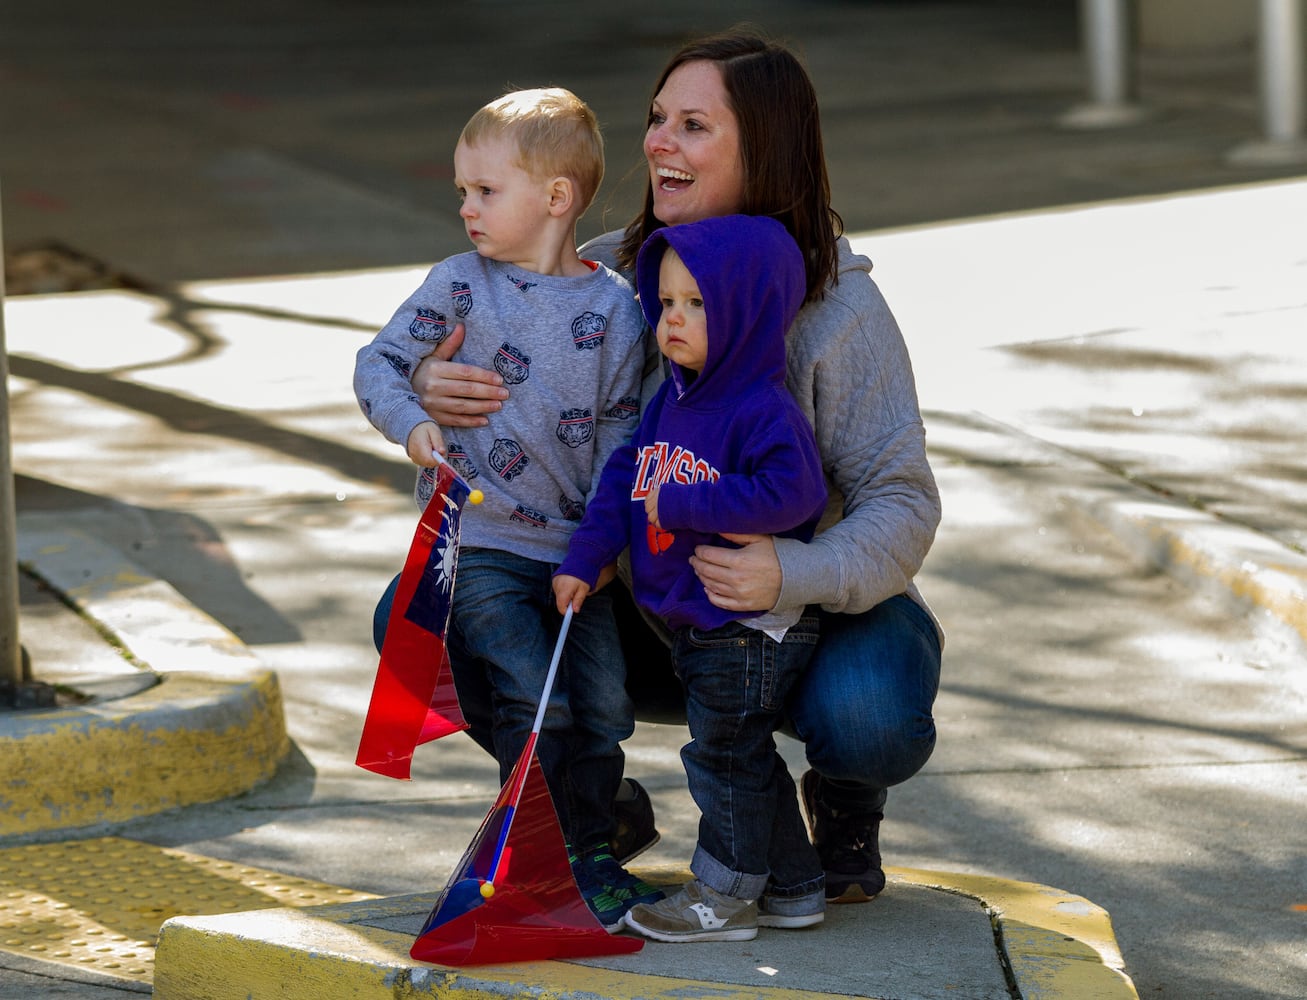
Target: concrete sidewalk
x: 937, y: 929
x: 208, y: 721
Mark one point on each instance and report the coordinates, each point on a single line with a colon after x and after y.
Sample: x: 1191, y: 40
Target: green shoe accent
x: 630, y: 889
x: 607, y: 908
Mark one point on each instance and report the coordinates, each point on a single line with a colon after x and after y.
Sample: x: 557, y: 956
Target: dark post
x: 11, y: 653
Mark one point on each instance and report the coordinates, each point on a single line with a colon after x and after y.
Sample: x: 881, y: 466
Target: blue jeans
x: 862, y: 708
x: 501, y: 638
x: 736, y: 683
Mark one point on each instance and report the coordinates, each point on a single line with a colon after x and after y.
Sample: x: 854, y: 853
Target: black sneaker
x: 848, y: 845
x: 636, y: 832
x: 630, y: 889
x: 607, y: 908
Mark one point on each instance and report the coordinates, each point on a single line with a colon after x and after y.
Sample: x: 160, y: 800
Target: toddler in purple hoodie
x: 721, y: 448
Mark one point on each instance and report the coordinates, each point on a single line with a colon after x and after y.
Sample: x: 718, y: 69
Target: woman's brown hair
x: 780, y: 143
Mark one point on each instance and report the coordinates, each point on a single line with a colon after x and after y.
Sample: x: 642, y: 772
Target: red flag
x: 512, y: 897
x: 413, y: 697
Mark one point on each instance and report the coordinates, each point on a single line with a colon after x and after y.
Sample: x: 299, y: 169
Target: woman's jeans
x: 736, y: 682
x: 862, y: 708
x: 502, y: 631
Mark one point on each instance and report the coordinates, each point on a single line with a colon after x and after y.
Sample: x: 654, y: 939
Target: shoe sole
x: 690, y: 937
x: 852, y: 894
x: 640, y: 850
x: 790, y: 923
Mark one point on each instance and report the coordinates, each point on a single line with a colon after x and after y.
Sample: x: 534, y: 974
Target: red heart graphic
x: 659, y: 541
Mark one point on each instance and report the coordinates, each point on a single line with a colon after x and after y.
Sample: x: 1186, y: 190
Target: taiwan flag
x: 512, y: 897
x: 413, y: 697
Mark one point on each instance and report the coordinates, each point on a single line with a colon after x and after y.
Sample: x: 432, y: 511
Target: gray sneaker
x: 791, y: 913
x: 696, y: 913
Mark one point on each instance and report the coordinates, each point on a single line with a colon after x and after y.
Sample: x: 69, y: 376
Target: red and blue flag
x: 512, y: 897
x: 413, y: 697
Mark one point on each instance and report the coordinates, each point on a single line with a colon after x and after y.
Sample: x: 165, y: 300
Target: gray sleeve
x: 620, y: 388
x: 851, y: 373
x: 383, y: 369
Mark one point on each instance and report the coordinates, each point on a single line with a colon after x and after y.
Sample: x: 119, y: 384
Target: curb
x: 1228, y: 562
x: 209, y: 731
x: 189, y: 739
x: 1056, y: 945
x: 1222, y: 559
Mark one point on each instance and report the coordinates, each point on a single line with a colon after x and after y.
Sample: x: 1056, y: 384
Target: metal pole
x: 11, y: 653
x: 1282, y: 69
x: 1280, y: 56
x: 1107, y: 39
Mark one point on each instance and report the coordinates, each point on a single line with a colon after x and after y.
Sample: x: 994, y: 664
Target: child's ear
x: 562, y: 193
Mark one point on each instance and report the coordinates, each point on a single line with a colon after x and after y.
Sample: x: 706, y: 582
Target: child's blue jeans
x: 751, y: 833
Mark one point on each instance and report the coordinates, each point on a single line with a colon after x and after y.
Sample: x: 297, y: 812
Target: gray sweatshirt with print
x: 570, y: 351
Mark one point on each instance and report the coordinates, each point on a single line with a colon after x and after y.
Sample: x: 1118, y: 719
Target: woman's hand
x: 744, y: 579
x: 455, y: 394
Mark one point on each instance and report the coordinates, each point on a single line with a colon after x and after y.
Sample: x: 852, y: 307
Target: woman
x: 733, y: 128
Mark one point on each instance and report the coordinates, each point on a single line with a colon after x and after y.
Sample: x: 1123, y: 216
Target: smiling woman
x: 693, y: 147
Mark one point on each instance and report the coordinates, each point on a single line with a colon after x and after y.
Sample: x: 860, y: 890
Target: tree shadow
x: 200, y: 417
x: 191, y: 539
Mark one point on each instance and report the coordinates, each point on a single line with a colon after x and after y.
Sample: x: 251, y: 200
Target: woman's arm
x: 853, y: 370
x: 850, y: 372
x: 454, y: 394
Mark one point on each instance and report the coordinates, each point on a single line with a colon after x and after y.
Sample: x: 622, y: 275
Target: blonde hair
x: 556, y: 134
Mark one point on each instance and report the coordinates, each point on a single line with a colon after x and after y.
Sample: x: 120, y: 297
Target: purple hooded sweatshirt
x: 730, y: 447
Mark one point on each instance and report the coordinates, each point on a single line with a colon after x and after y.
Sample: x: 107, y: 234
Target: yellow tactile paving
x: 98, y: 904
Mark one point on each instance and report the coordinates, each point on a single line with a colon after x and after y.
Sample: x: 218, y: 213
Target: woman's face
x: 693, y: 147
